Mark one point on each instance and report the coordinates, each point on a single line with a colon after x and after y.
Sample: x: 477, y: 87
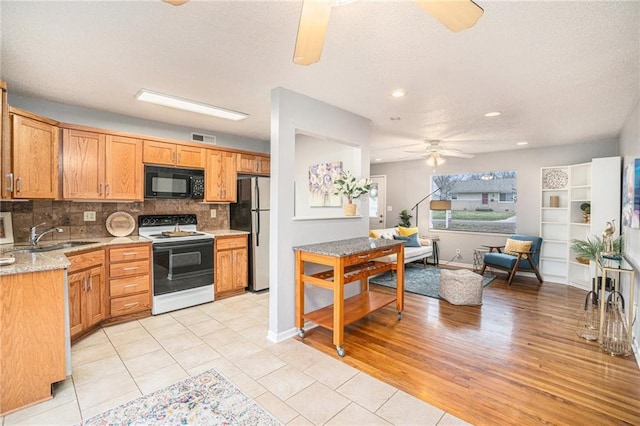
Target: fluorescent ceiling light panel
x: 187, y: 105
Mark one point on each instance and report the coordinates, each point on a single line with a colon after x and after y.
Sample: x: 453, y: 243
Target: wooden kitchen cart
x: 350, y: 260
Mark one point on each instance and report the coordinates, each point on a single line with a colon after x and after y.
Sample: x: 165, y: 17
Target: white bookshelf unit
x: 597, y: 183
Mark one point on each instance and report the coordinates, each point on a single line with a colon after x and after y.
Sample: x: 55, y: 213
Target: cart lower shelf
x: 355, y: 308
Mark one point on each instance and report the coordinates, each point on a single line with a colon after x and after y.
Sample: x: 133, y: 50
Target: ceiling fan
x: 436, y: 154
x: 456, y: 15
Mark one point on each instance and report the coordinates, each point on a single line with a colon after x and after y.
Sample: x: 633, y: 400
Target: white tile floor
x: 295, y: 383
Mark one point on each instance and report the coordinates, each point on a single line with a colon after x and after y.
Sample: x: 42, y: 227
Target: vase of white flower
x: 351, y: 187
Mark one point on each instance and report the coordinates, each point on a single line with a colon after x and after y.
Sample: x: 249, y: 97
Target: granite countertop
x: 54, y: 259
x: 224, y: 232
x: 348, y: 247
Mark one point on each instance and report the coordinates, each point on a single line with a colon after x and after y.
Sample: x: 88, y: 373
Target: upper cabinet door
x: 189, y: 156
x: 253, y: 164
x: 35, y: 158
x: 159, y: 153
x: 123, y: 168
x: 82, y: 165
x: 220, y: 176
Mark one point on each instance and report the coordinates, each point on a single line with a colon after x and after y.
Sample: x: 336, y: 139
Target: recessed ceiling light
x: 523, y: 143
x: 398, y: 93
x: 493, y: 114
x: 394, y: 118
x: 378, y: 159
x: 188, y: 105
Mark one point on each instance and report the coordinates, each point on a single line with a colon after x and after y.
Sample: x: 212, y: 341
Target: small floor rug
x: 205, y: 399
x: 420, y: 280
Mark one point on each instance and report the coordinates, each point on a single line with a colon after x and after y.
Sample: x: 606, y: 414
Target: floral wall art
x: 631, y: 195
x: 321, y: 177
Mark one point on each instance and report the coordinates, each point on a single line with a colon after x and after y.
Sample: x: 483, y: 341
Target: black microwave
x: 172, y: 182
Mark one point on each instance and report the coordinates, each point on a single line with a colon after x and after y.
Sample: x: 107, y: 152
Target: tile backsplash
x: 69, y: 216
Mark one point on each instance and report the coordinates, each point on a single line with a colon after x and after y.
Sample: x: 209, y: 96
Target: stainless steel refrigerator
x: 251, y: 213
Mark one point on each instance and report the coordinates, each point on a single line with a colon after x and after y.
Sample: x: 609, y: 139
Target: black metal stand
x: 418, y: 203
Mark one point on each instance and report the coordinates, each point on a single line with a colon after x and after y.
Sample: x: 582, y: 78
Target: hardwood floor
x: 514, y: 360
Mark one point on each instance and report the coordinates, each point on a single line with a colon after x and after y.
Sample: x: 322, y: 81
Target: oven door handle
x: 188, y: 245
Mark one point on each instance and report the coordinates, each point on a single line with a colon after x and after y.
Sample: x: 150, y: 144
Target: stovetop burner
x: 170, y: 227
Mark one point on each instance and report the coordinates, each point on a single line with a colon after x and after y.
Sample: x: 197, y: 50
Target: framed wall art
x: 6, y: 228
x: 631, y: 194
x: 321, y: 177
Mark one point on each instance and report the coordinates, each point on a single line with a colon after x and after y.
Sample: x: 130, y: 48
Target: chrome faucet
x: 34, y: 237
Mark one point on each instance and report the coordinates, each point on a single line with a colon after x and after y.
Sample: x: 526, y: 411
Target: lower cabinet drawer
x: 129, y: 268
x: 129, y: 304
x: 124, y: 286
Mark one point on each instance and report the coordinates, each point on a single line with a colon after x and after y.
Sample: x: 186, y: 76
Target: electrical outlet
x: 389, y: 208
x: 89, y: 216
x: 457, y: 252
x: 213, y: 212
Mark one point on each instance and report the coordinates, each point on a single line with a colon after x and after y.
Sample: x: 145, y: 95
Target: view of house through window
x: 480, y: 202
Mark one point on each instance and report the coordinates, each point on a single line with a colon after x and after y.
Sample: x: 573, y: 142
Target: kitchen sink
x: 40, y: 249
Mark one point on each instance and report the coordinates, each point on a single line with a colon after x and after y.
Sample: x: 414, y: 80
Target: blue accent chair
x: 521, y: 261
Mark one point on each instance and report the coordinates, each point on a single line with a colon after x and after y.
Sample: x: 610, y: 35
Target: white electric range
x: 183, y: 273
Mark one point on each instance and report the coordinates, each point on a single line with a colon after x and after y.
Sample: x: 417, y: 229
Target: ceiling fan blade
x: 176, y: 2
x: 457, y: 15
x: 312, y: 28
x: 455, y: 153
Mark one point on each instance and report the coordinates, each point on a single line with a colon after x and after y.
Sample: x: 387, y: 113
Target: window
x: 480, y: 202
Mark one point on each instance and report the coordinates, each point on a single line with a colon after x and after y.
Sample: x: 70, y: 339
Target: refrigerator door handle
x: 257, y: 214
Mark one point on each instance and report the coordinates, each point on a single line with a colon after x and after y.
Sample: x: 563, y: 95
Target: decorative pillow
x: 514, y: 246
x: 410, y: 241
x: 405, y: 232
x: 373, y: 235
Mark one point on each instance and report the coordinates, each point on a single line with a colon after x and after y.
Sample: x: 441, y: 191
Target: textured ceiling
x: 561, y: 72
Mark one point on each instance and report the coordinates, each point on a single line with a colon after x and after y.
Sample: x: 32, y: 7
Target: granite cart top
x: 348, y: 247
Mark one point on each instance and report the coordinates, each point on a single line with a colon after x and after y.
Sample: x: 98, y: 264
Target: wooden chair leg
x: 484, y: 266
x: 514, y: 269
x: 535, y: 269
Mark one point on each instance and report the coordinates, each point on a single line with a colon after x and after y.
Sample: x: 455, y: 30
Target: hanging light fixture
x: 435, y: 159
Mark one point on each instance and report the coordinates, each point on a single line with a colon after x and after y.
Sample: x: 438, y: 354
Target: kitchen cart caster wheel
x: 399, y: 315
x: 340, y: 350
x: 301, y: 333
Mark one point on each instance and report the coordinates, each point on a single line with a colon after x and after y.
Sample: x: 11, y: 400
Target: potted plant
x: 405, y: 219
x: 351, y: 187
x: 589, y: 249
x: 586, y: 212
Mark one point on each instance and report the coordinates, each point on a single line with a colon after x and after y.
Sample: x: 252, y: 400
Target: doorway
x: 378, y: 202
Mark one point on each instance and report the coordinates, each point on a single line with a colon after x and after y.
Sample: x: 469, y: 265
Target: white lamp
x: 435, y: 159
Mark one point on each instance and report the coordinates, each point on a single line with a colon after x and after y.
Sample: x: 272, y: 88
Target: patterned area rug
x: 420, y: 280
x: 206, y: 399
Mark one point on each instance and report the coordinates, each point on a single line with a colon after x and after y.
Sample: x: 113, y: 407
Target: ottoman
x: 460, y: 287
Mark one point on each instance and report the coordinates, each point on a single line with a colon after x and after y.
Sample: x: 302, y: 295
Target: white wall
x: 630, y: 150
x: 292, y: 113
x: 110, y: 121
x: 408, y: 182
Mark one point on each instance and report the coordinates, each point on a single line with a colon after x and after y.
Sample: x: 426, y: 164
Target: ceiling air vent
x: 201, y: 137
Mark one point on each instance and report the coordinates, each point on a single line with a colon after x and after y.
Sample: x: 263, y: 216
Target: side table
x: 434, y: 241
x: 478, y: 258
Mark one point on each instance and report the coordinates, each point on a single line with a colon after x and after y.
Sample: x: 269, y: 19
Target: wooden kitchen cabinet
x: 87, y: 291
x: 5, y: 143
x: 173, y: 154
x: 231, y: 264
x: 129, y: 281
x: 34, y: 165
x: 220, y: 176
x: 32, y: 337
x: 254, y: 164
x: 101, y: 167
